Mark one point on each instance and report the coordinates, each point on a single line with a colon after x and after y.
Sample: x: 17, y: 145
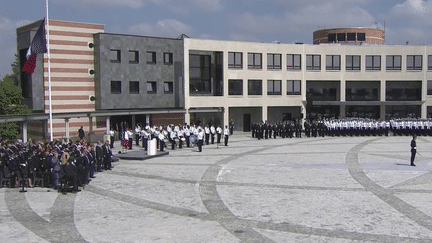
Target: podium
x: 151, y: 147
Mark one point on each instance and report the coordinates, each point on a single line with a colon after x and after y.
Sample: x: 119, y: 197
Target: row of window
x: 274, y: 87
x: 134, y: 87
x: 134, y: 57
x: 333, y: 62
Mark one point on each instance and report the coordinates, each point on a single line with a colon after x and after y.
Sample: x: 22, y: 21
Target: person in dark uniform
x: 71, y: 175
x: 107, y: 153
x: 99, y: 156
x: 81, y: 133
x: 413, y: 149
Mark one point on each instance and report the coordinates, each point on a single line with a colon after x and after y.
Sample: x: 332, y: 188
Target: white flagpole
x: 49, y: 74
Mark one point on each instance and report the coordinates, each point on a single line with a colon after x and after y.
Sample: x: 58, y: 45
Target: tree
x: 11, y: 103
x: 16, y: 70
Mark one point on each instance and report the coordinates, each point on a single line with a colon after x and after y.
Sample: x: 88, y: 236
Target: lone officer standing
x: 413, y: 149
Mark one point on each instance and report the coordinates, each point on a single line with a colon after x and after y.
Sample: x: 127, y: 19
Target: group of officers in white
x: 175, y: 135
x: 365, y: 126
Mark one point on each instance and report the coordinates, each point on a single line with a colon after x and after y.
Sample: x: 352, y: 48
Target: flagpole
x: 49, y: 75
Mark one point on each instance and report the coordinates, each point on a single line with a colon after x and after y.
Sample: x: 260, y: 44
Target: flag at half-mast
x: 38, y: 45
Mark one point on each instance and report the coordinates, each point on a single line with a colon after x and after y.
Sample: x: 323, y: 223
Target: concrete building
x: 276, y: 82
x: 114, y: 78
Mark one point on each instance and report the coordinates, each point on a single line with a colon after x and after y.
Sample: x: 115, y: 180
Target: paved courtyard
x: 332, y: 189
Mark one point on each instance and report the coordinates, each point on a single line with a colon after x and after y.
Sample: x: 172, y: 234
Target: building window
x: 373, y: 62
x: 333, y: 62
x: 351, y: 36
x: 115, y: 56
x: 274, y: 87
x: 353, y: 62
x: 331, y: 38
x: 430, y: 62
x: 168, y: 58
x: 151, y: 87
x: 235, y: 60
x: 235, y: 87
x: 293, y: 61
x: 115, y: 87
x: 274, y: 61
x: 313, y: 62
x: 199, y: 73
x: 393, y: 62
x: 293, y: 87
x: 134, y: 87
x: 133, y: 57
x: 429, y: 87
x: 151, y: 57
x: 254, y: 87
x: 168, y: 87
x: 414, y: 62
x: 340, y: 37
x: 254, y: 61
x: 361, y: 36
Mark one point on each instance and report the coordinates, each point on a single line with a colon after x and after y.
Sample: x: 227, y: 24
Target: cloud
x: 177, y: 6
x: 306, y: 17
x: 165, y: 28
x: 107, y: 3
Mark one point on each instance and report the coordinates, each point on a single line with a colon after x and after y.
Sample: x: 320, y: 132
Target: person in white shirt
x: 161, y: 137
x: 226, y: 134
x: 212, y: 133
x: 219, y: 134
x: 200, y: 138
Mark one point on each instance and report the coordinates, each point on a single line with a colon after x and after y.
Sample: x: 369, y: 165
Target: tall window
x: 429, y: 87
x: 115, y: 87
x: 168, y: 87
x: 353, y: 62
x: 168, y: 58
x: 151, y: 57
x: 134, y: 87
x: 133, y: 57
x: 414, y: 62
x: 333, y: 62
x: 274, y: 87
x: 254, y: 87
x: 274, y: 61
x: 235, y: 87
x: 235, y: 60
x: 393, y: 62
x: 293, y: 87
x: 293, y: 61
x: 254, y: 60
x: 430, y: 62
x: 373, y: 62
x: 115, y: 56
x: 313, y: 62
x: 151, y: 87
x: 199, y: 72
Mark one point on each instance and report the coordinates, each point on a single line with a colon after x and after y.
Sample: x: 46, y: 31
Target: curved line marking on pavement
x: 61, y: 228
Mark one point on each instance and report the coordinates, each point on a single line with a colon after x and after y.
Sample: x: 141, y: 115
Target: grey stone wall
x: 106, y: 71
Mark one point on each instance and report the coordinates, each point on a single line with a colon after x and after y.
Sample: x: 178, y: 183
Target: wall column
x: 107, y: 125
x: 148, y: 119
x: 264, y: 113
x: 67, y: 128
x: 24, y: 131
x: 187, y: 117
x: 90, y: 133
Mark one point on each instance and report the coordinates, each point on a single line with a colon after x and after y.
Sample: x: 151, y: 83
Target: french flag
x: 38, y: 45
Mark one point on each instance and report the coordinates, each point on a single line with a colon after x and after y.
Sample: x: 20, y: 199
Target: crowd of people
x: 52, y: 164
x: 343, y: 127
x: 175, y: 136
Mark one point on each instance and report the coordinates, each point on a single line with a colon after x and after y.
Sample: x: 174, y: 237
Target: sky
x: 287, y: 21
